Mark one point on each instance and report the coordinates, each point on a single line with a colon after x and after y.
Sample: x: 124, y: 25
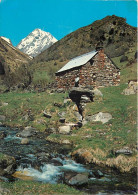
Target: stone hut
x: 91, y: 69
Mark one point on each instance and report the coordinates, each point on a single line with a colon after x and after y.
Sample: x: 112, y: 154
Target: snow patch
x: 7, y: 40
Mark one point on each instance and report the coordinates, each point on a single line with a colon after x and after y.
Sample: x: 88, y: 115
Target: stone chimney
x: 99, y: 46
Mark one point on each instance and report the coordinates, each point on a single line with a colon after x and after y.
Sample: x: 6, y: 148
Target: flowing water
x: 46, y: 162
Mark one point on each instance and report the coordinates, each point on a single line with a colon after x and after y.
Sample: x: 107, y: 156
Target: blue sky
x: 59, y: 17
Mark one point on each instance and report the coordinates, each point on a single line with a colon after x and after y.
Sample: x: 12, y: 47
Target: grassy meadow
x: 101, y: 139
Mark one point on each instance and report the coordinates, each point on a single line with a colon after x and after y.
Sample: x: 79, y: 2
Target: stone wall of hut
x: 98, y: 72
x: 1, y: 69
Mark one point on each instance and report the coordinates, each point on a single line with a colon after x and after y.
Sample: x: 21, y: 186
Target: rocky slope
x: 116, y: 35
x: 12, y: 68
x: 36, y: 42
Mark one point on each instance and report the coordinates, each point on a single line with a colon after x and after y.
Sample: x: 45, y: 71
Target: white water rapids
x: 49, y: 173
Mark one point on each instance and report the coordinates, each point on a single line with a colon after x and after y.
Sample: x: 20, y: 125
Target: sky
x: 59, y: 17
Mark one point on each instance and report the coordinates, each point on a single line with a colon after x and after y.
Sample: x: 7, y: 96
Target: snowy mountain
x: 6, y: 39
x: 36, y: 42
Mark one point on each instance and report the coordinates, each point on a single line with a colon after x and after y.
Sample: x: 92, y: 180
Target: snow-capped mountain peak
x: 7, y: 40
x: 36, y: 42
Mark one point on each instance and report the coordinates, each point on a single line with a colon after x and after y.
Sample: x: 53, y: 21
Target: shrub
x: 124, y: 58
x: 40, y: 78
x: 136, y: 55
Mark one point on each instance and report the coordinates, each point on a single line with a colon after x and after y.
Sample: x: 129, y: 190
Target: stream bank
x: 45, y: 162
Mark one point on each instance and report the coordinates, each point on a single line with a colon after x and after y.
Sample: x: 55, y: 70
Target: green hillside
x: 13, y: 66
x: 118, y: 39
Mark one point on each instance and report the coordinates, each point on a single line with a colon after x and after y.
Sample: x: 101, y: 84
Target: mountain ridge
x: 110, y: 30
x: 36, y: 42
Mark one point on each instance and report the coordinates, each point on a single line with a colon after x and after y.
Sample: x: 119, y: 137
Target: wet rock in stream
x: 76, y: 179
x: 8, y: 165
x: 25, y: 141
x: 2, y: 135
x: 27, y: 132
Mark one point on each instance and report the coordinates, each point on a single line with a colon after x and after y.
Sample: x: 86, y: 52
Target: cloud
x: 1, y: 1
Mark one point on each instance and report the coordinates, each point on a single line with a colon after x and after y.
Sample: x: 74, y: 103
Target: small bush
x: 136, y: 55
x: 124, y: 58
x: 40, y: 78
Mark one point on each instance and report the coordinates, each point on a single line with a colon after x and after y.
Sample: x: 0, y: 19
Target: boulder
x: 78, y: 115
x: 43, y: 157
x: 27, y: 132
x: 60, y: 90
x: 10, y: 169
x: 128, y: 92
x: 79, y: 179
x: 4, y: 104
x: 103, y: 117
x: 2, y: 118
x: 76, y: 93
x: 62, y: 120
x: 2, y: 134
x: 4, y: 191
x: 84, y: 121
x: 64, y: 129
x: 25, y: 117
x: 47, y: 115
x: 98, y: 173
x: 131, y: 89
x: 29, y: 128
x: 59, y: 105
x: 125, y: 151
x: 65, y: 141
x: 25, y: 141
x: 61, y: 114
x: 80, y: 123
x: 66, y: 101
x: 97, y: 92
x: 50, y: 130
x: 85, y: 99
x: 7, y: 165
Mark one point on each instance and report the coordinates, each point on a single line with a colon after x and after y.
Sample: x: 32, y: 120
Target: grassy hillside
x: 115, y: 34
x: 14, y: 65
x: 128, y: 67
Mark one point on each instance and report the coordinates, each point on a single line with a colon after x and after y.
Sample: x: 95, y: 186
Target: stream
x: 46, y: 162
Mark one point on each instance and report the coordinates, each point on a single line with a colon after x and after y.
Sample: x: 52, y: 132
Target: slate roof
x: 78, y: 61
